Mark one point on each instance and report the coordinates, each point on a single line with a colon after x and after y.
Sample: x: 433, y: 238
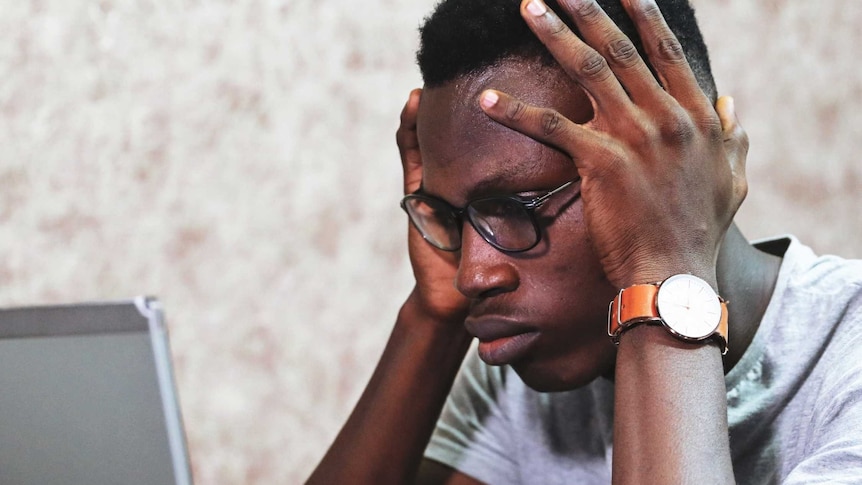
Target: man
x: 555, y: 185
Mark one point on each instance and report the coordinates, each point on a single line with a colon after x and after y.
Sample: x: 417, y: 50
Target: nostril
x: 494, y: 292
x: 486, y: 277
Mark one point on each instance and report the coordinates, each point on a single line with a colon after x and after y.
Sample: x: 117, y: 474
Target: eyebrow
x: 507, y: 176
x: 488, y: 182
x: 479, y: 190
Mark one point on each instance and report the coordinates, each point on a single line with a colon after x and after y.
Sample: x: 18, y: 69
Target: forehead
x: 466, y: 154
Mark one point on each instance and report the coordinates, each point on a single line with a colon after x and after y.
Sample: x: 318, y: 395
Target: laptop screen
x: 88, y: 397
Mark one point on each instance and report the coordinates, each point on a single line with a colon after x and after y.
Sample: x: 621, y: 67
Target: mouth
x: 501, y: 342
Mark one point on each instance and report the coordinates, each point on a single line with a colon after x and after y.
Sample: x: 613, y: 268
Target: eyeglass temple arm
x: 539, y: 201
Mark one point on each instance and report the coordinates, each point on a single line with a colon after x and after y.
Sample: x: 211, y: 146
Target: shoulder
x: 825, y: 274
x: 813, y: 290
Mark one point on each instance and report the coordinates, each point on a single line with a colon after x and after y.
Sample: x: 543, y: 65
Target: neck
x: 746, y: 279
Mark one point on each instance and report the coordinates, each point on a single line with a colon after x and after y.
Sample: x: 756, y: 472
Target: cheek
x: 571, y: 248
x: 573, y: 277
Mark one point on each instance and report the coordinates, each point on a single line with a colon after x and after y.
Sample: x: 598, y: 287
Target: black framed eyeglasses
x: 506, y: 222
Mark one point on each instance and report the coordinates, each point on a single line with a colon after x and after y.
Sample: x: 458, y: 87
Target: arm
x: 670, y: 411
x: 385, y: 436
x: 388, y: 430
x: 661, y: 180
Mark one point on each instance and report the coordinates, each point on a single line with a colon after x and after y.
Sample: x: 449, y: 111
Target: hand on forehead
x: 458, y: 140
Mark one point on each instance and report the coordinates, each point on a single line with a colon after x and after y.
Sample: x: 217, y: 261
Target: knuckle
x: 515, y: 110
x: 676, y: 127
x: 710, y: 124
x: 405, y: 138
x: 669, y: 49
x: 589, y: 12
x: 622, y: 52
x: 557, y: 28
x: 651, y: 12
x: 551, y: 123
x: 738, y: 137
x: 593, y: 66
x: 742, y: 136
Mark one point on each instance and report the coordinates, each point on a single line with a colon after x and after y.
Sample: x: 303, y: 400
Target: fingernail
x: 489, y: 99
x: 536, y: 8
x: 725, y: 105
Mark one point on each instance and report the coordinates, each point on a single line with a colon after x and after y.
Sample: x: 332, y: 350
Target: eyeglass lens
x: 435, y: 221
x: 502, y: 221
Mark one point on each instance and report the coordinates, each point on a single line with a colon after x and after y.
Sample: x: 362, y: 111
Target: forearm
x: 670, y: 411
x: 386, y: 435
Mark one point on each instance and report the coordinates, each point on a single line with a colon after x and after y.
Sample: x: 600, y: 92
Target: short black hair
x: 463, y: 37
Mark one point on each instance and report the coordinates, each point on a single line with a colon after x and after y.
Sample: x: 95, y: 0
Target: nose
x: 483, y: 270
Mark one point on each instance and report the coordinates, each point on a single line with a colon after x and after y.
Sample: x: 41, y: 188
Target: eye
x: 497, y: 208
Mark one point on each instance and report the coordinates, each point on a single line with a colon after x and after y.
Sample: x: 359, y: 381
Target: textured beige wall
x: 237, y: 160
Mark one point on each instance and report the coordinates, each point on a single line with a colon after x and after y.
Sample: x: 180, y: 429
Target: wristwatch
x: 683, y: 304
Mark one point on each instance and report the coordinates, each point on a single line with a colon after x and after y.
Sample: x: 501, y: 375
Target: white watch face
x: 689, y: 306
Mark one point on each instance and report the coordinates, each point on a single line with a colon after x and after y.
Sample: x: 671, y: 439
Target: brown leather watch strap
x: 637, y: 304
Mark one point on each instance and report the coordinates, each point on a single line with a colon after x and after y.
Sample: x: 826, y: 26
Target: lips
x: 501, y: 341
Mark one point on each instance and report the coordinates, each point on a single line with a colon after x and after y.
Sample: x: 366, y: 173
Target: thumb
x: 408, y: 143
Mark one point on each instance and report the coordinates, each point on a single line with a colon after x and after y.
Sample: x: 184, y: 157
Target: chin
x: 567, y: 370
x: 547, y: 377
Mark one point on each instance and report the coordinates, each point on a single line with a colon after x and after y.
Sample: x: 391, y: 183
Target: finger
x: 544, y: 125
x: 408, y: 143
x: 735, y: 137
x: 600, y: 32
x: 580, y: 61
x: 665, y: 54
x: 735, y: 143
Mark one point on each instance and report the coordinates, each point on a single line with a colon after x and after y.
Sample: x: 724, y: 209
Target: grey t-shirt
x: 794, y: 399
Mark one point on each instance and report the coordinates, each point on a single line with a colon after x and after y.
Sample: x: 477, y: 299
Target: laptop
x: 87, y: 396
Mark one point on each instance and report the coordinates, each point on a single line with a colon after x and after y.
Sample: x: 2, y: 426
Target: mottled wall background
x: 237, y: 160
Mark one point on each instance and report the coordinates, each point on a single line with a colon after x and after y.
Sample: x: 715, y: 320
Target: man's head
x: 463, y: 37
x: 554, y: 296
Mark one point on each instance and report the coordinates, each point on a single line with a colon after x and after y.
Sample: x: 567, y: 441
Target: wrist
x: 658, y: 271
x: 685, y: 305
x: 449, y: 320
